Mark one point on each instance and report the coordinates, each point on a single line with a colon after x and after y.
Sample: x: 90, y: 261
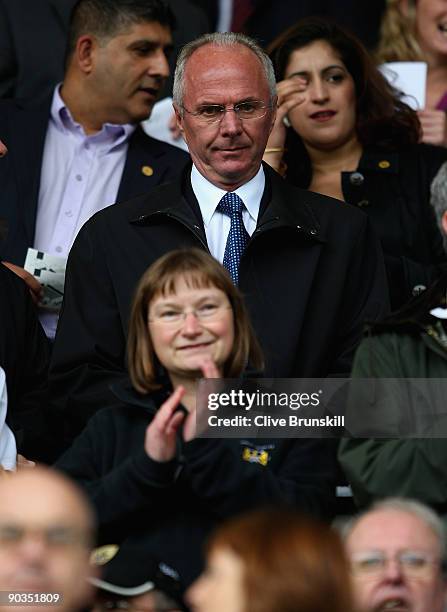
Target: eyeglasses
x: 413, y: 563
x: 213, y: 113
x: 54, y: 537
x: 170, y: 316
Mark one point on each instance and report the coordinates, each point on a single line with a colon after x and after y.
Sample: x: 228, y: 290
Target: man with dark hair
x: 310, y: 268
x: 105, y: 19
x: 33, y: 40
x: 82, y: 149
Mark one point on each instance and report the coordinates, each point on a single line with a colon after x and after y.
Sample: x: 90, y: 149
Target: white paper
x: 439, y: 313
x: 49, y: 270
x: 157, y: 125
x: 410, y: 78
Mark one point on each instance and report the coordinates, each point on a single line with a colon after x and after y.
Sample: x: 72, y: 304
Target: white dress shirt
x: 80, y: 175
x: 217, y: 225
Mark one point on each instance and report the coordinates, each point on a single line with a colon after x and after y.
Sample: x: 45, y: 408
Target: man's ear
x: 274, y: 111
x: 444, y: 222
x: 179, y: 118
x: 85, y: 52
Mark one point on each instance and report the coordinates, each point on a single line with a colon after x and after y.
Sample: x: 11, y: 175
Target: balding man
x: 397, y: 552
x: 46, y: 532
x: 310, y: 270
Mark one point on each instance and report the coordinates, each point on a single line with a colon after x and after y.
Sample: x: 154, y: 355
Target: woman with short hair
x: 143, y: 465
x: 274, y: 561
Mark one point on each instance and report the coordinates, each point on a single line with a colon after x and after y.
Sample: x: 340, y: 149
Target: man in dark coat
x: 311, y: 272
x: 83, y: 147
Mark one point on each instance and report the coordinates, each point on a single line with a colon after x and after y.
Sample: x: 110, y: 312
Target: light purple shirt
x: 80, y: 175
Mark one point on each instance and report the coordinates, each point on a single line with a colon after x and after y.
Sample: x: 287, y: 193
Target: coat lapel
x: 28, y: 131
x: 144, y: 168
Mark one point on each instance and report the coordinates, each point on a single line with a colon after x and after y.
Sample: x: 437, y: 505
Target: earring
x: 286, y: 121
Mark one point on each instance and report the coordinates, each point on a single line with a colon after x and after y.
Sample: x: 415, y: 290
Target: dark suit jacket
x: 33, y: 37
x: 311, y: 274
x: 272, y: 17
x: 24, y: 355
x: 23, y: 128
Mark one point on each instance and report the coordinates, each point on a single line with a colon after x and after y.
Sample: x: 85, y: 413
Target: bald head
x: 46, y: 532
x: 396, y: 554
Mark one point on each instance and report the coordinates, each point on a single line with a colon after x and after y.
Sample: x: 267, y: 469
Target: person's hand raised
x: 209, y: 370
x: 434, y: 127
x: 161, y: 433
x: 290, y: 94
x: 160, y: 439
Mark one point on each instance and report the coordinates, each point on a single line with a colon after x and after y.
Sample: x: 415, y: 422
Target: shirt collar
x: 110, y: 134
x: 209, y: 196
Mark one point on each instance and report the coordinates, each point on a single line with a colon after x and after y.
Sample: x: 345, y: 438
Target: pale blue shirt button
x: 78, y: 177
x: 58, y: 249
x: 69, y: 213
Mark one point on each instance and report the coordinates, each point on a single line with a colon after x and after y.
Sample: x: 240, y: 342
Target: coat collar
x: 289, y: 207
x: 126, y: 393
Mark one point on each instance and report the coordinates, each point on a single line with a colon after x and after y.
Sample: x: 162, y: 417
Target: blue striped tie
x: 232, y: 205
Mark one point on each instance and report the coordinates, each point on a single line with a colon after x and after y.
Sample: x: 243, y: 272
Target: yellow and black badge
x: 253, y: 455
x: 104, y: 554
x: 147, y: 170
x: 384, y: 164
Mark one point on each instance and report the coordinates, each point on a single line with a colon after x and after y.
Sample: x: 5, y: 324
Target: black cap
x: 127, y: 570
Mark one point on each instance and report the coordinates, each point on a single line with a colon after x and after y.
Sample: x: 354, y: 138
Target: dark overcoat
x: 311, y: 274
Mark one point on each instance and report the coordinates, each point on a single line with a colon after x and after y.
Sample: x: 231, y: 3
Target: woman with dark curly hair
x: 341, y: 130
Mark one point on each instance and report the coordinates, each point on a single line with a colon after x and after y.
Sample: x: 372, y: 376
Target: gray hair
x: 409, y: 506
x: 438, y: 198
x: 219, y: 39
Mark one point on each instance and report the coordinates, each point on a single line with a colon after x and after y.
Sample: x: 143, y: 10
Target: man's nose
x: 231, y: 123
x: 158, y: 64
x: 33, y: 548
x: 393, y: 571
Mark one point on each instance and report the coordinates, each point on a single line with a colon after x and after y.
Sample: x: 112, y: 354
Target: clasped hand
x: 161, y: 433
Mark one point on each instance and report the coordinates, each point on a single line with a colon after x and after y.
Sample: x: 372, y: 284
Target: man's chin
x: 236, y: 171
x: 396, y: 604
